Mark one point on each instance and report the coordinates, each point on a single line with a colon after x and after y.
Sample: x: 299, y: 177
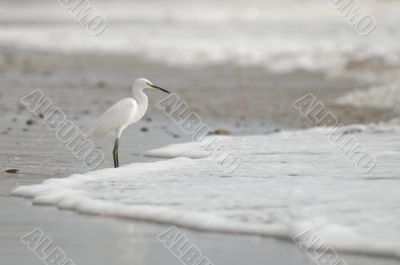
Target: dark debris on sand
x: 220, y: 132
x: 12, y: 170
x: 30, y: 122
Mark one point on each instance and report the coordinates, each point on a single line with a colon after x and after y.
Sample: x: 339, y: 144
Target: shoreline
x: 91, y: 87
x: 220, y: 232
x: 200, y: 234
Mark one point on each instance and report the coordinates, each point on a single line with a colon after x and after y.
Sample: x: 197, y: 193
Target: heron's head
x: 144, y: 83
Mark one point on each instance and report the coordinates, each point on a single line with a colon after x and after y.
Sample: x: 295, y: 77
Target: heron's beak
x: 162, y: 89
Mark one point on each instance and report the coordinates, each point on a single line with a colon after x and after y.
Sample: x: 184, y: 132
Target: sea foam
x: 271, y: 34
x: 287, y: 183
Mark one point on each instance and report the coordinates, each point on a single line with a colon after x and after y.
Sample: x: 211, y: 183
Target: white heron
x: 123, y: 113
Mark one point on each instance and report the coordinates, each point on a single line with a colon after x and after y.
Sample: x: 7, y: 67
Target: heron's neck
x: 139, y: 95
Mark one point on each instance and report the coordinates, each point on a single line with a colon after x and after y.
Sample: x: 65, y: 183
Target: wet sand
x: 244, y: 101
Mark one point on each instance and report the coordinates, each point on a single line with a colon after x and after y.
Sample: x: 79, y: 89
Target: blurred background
x: 265, y: 53
x: 281, y: 36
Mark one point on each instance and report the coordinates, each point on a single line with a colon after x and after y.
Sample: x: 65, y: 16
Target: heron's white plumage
x: 116, y: 118
x: 123, y: 113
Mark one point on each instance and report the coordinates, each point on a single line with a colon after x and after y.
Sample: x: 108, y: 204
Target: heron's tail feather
x: 99, y: 131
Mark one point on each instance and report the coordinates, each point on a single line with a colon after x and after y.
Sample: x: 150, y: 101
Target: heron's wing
x: 117, y: 116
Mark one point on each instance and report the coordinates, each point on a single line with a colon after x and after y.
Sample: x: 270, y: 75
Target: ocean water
x: 287, y: 183
x: 279, y: 35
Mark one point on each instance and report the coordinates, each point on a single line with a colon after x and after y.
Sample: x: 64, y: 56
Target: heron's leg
x: 115, y: 154
x: 117, y: 143
x: 115, y: 163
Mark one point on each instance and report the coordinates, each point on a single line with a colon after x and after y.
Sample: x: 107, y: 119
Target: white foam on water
x: 378, y: 96
x: 272, y: 34
x: 287, y: 183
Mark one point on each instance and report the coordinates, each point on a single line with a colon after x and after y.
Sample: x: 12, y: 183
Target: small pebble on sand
x: 144, y: 129
x: 12, y: 170
x: 30, y: 122
x: 220, y: 132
